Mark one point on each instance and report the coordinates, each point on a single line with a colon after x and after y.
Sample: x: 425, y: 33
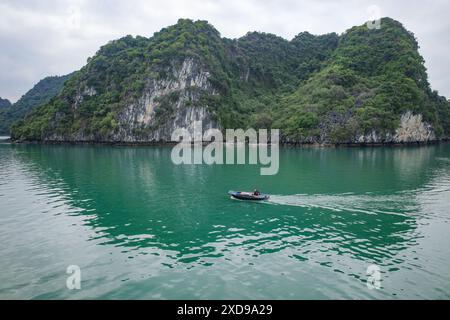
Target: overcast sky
x: 41, y: 38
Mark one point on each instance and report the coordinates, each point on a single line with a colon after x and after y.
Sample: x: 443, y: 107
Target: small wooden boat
x: 248, y: 196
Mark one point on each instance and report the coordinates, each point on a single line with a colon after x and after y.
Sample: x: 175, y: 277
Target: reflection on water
x: 140, y: 227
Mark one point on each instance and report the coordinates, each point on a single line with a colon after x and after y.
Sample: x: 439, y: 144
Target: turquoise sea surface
x: 140, y: 227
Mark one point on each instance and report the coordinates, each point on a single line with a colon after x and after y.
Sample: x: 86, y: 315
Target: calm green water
x: 141, y: 228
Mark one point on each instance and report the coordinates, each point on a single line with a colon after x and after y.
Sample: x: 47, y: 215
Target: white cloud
x: 41, y: 38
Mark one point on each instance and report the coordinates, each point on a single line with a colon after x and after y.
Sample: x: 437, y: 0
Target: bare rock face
x: 143, y: 121
x: 413, y: 129
x: 369, y: 138
x: 165, y: 105
x: 81, y: 94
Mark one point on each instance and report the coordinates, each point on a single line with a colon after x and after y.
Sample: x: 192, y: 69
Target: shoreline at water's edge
x: 284, y: 144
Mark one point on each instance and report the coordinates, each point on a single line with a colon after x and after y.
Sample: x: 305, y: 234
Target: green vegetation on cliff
x: 327, y: 88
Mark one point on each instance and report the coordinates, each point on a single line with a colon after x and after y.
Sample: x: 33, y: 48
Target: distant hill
x: 363, y: 86
x: 41, y: 93
x: 4, y: 103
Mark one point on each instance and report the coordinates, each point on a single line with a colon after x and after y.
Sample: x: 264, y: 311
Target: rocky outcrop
x: 183, y: 91
x: 413, y: 129
x: 82, y: 94
x: 165, y: 105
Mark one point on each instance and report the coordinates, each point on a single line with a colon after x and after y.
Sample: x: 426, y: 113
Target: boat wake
x: 397, y: 204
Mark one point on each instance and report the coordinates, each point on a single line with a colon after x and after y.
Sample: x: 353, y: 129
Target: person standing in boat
x: 256, y: 192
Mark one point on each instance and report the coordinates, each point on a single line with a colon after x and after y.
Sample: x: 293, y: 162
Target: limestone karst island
x: 232, y: 157
x: 363, y: 86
